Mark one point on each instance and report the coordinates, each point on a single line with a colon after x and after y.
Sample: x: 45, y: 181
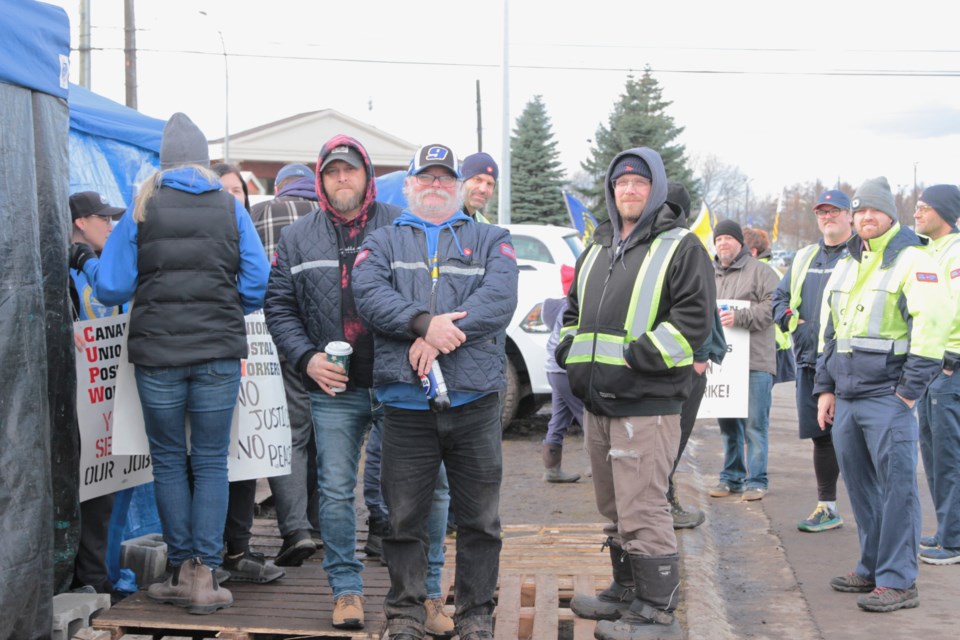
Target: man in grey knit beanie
x: 875, y: 194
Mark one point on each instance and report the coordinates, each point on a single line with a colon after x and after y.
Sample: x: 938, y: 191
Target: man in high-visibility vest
x: 936, y: 218
x: 882, y: 336
x: 797, y: 304
x: 643, y: 302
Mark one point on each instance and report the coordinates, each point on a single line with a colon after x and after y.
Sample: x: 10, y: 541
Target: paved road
x: 750, y: 573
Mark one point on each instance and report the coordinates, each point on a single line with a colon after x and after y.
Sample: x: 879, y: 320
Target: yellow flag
x: 703, y: 228
x: 776, y: 219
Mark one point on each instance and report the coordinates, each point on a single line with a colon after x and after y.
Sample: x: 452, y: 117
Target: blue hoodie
x: 114, y: 275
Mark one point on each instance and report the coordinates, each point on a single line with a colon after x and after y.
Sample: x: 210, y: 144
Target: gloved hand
x: 79, y: 254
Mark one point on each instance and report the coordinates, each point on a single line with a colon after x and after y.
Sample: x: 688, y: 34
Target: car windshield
x: 575, y: 244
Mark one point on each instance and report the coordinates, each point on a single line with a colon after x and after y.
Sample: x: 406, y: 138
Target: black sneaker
x: 297, y: 547
x: 252, y: 567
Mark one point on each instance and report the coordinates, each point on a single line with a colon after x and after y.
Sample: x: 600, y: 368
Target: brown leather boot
x: 552, y: 457
x: 207, y: 596
x: 176, y: 588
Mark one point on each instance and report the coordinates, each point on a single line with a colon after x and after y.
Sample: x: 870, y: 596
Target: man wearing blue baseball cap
x: 939, y: 409
x: 796, y: 309
x: 479, y: 172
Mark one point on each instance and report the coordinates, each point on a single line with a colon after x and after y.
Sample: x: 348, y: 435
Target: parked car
x: 541, y: 251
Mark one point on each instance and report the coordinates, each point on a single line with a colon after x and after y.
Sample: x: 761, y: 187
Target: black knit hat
x: 631, y: 164
x: 729, y: 228
x: 945, y: 200
x: 677, y: 194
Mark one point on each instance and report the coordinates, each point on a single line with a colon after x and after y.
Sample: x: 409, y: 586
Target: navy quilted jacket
x: 392, y: 285
x: 302, y: 306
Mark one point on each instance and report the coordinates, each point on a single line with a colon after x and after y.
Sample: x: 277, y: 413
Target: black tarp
x: 37, y: 385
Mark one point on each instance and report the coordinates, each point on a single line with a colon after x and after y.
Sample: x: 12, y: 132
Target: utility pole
x: 479, y: 121
x: 503, y: 211
x: 84, y: 49
x: 130, y: 53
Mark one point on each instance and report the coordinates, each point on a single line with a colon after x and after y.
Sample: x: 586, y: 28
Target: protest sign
x: 101, y: 471
x: 728, y: 385
x: 260, y: 441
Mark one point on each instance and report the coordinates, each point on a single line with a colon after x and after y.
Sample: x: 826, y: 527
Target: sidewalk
x: 750, y: 573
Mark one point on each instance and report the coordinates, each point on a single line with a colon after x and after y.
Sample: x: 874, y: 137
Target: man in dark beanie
x: 939, y: 409
x: 740, y: 276
x: 629, y: 361
x: 479, y: 172
x: 880, y: 348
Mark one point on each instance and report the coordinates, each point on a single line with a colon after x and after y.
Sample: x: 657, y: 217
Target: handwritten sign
x: 260, y: 441
x: 101, y: 471
x: 728, y: 385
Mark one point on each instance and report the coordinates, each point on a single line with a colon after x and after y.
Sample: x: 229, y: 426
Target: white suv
x: 541, y: 250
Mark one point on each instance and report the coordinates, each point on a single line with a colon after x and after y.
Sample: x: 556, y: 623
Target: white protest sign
x: 102, y: 472
x: 260, y: 441
x: 728, y: 385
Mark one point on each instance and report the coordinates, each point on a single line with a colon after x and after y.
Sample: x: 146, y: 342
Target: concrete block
x: 72, y: 612
x: 146, y: 556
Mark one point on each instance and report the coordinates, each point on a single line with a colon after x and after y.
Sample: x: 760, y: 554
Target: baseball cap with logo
x: 434, y: 155
x: 293, y: 171
x: 346, y: 153
x: 834, y: 198
x: 91, y: 203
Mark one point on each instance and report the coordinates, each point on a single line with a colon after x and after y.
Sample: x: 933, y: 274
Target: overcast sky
x: 845, y: 89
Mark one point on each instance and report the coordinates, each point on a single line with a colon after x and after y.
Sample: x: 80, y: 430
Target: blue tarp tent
x: 112, y: 147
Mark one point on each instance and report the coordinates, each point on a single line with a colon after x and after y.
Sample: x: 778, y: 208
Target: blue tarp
x: 390, y: 188
x: 36, y: 46
x: 112, y: 147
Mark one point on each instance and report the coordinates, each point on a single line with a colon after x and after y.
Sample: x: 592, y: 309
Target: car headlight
x: 533, y: 321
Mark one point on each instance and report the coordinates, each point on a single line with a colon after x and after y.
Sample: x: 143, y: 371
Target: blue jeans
x: 755, y: 431
x: 466, y: 439
x: 340, y: 422
x: 192, y: 524
x: 565, y: 408
x: 436, y: 525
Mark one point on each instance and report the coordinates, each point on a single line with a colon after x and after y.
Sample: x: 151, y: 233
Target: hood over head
x: 332, y: 144
x: 658, y: 187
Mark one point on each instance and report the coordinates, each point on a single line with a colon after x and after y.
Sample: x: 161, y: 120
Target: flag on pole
x: 583, y: 221
x: 703, y: 227
x: 776, y: 219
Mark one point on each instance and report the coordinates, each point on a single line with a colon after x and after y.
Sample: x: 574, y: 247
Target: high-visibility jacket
x: 946, y: 251
x: 636, y: 315
x: 782, y: 337
x: 884, y: 323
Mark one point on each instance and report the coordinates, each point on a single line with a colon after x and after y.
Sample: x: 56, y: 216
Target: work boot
x: 377, y: 530
x: 438, y: 623
x: 206, y: 596
x: 297, y: 547
x: 475, y: 628
x: 610, y: 603
x: 683, y: 519
x: 552, y: 457
x: 650, y: 615
x: 348, y: 612
x: 176, y: 588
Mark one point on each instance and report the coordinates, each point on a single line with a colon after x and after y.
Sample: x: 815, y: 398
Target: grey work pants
x: 631, y: 459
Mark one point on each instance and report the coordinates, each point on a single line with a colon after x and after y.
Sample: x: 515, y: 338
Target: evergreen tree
x: 536, y: 175
x: 639, y: 119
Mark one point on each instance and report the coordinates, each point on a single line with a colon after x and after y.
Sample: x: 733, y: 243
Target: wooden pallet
x: 540, y: 570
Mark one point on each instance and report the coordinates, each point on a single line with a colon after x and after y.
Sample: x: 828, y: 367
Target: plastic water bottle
x: 435, y: 388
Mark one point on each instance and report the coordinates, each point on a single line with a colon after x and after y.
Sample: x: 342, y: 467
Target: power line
x: 903, y: 73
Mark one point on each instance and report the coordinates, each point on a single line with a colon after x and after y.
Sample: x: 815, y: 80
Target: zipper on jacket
x: 603, y: 294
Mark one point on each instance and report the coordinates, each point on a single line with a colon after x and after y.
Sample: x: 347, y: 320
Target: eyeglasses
x: 106, y: 219
x: 427, y: 179
x: 621, y: 184
x: 828, y: 213
x: 921, y: 207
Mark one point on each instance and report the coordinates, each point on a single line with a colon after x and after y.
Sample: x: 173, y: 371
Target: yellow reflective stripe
x: 609, y: 349
x: 673, y: 347
x: 585, y: 269
x: 803, y: 260
x: 648, y: 286
x: 568, y: 331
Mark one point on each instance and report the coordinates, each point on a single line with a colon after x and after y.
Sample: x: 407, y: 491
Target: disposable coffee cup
x: 339, y: 353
